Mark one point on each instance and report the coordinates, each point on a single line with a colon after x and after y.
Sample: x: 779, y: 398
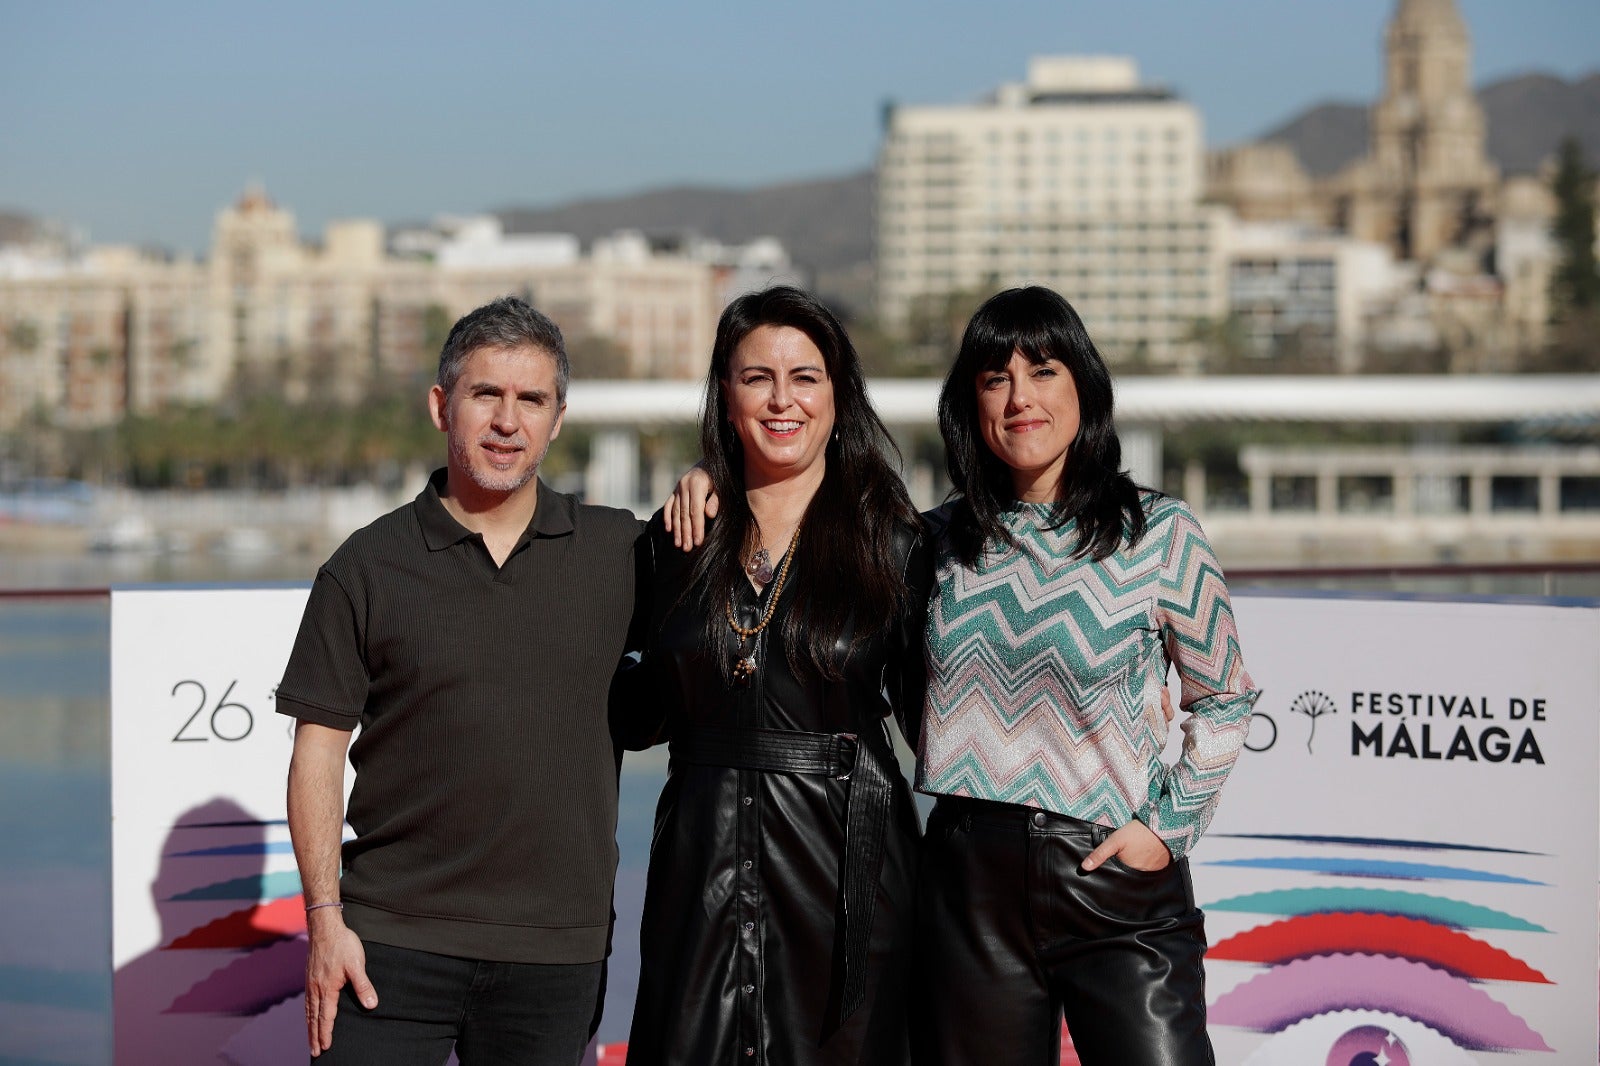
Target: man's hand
x: 1136, y: 845
x: 336, y: 956
x: 687, y: 509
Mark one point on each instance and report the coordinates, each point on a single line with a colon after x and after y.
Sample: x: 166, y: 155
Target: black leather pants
x: 1011, y: 935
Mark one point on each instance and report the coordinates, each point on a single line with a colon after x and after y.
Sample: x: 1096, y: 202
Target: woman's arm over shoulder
x: 907, y: 673
x: 937, y: 521
x: 1202, y: 641
x: 637, y: 714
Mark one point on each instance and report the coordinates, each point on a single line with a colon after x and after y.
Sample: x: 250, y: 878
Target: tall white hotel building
x: 1082, y: 180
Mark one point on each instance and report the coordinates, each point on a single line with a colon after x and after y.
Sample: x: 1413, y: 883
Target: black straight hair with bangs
x: 1041, y: 325
x: 847, y: 582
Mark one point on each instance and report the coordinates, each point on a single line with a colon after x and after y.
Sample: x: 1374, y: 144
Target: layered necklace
x: 760, y: 568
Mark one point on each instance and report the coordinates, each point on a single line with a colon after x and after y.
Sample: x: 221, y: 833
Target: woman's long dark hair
x: 1095, y: 490
x: 845, y: 577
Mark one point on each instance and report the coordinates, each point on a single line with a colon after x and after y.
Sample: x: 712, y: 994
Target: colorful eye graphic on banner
x: 1359, y: 976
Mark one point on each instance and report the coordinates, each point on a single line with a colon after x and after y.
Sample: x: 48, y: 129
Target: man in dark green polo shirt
x: 472, y: 635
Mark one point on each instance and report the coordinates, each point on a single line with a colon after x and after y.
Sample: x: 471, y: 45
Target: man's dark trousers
x: 490, y: 1013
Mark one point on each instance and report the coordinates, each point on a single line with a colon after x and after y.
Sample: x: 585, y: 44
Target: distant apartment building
x: 658, y: 309
x: 1081, y: 179
x: 1296, y: 291
x: 87, y: 337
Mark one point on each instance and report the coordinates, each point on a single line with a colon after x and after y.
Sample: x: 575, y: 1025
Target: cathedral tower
x: 1426, y: 184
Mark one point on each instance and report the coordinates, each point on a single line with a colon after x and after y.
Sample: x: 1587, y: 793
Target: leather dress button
x: 1039, y: 818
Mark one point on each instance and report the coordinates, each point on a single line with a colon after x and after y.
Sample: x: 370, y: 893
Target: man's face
x: 499, y: 418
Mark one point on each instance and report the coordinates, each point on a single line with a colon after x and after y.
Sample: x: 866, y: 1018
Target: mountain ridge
x: 1526, y: 118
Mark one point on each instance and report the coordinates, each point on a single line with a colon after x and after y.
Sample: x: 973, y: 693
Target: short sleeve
x: 326, y: 679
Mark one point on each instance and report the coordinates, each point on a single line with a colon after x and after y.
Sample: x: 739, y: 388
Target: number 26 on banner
x: 229, y: 719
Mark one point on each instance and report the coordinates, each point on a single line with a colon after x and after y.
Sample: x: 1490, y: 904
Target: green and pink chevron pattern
x: 1046, y: 675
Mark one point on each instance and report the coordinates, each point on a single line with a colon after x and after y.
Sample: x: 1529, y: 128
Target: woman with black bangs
x: 779, y: 905
x: 1053, y: 878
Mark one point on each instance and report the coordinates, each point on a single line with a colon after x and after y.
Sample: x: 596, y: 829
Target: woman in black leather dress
x: 777, y: 918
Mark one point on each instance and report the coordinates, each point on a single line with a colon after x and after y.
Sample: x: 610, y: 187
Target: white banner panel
x: 1404, y: 871
x: 208, y: 934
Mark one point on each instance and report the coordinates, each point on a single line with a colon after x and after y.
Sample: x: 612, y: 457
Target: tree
x: 436, y: 323
x: 1575, y: 283
x: 884, y: 355
x: 936, y: 322
x: 1224, y: 346
x: 1575, y: 286
x: 23, y: 335
x: 595, y: 357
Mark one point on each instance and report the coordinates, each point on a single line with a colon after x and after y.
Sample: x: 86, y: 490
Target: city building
x: 1426, y: 184
x: 1428, y: 192
x: 90, y: 335
x: 1082, y: 179
x: 1293, y: 291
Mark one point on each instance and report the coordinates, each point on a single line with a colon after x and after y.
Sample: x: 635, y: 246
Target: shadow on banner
x: 228, y: 970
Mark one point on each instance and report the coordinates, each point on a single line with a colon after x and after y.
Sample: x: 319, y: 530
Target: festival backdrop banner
x: 208, y: 934
x: 1403, y: 869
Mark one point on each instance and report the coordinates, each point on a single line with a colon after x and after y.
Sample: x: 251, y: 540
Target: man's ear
x: 561, y: 414
x: 438, y: 408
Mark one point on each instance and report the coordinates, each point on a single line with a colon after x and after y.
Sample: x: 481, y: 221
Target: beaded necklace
x: 744, y: 664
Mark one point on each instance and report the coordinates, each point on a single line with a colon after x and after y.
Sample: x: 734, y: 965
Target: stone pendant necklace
x: 744, y: 660
x: 760, y: 566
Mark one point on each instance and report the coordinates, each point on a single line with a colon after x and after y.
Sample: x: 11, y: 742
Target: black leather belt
x: 841, y: 756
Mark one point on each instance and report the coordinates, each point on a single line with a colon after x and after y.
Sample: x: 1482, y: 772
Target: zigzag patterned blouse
x: 1046, y: 675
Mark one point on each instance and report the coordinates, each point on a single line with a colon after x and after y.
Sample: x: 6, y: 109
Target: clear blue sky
x: 138, y: 120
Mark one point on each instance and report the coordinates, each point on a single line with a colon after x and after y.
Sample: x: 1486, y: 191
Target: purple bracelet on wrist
x: 314, y: 906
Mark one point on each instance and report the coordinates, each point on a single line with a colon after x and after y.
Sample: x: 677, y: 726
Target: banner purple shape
x: 1273, y: 1000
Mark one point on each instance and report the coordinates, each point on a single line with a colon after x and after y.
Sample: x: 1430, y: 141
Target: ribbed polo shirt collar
x: 552, y: 515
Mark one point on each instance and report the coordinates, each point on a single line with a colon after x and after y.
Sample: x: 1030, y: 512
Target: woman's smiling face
x: 780, y: 401
x: 1028, y: 416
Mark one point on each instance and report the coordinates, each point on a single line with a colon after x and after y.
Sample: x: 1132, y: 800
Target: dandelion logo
x: 1313, y: 705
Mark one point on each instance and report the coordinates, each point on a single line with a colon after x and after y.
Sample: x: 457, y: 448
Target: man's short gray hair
x: 507, y: 323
